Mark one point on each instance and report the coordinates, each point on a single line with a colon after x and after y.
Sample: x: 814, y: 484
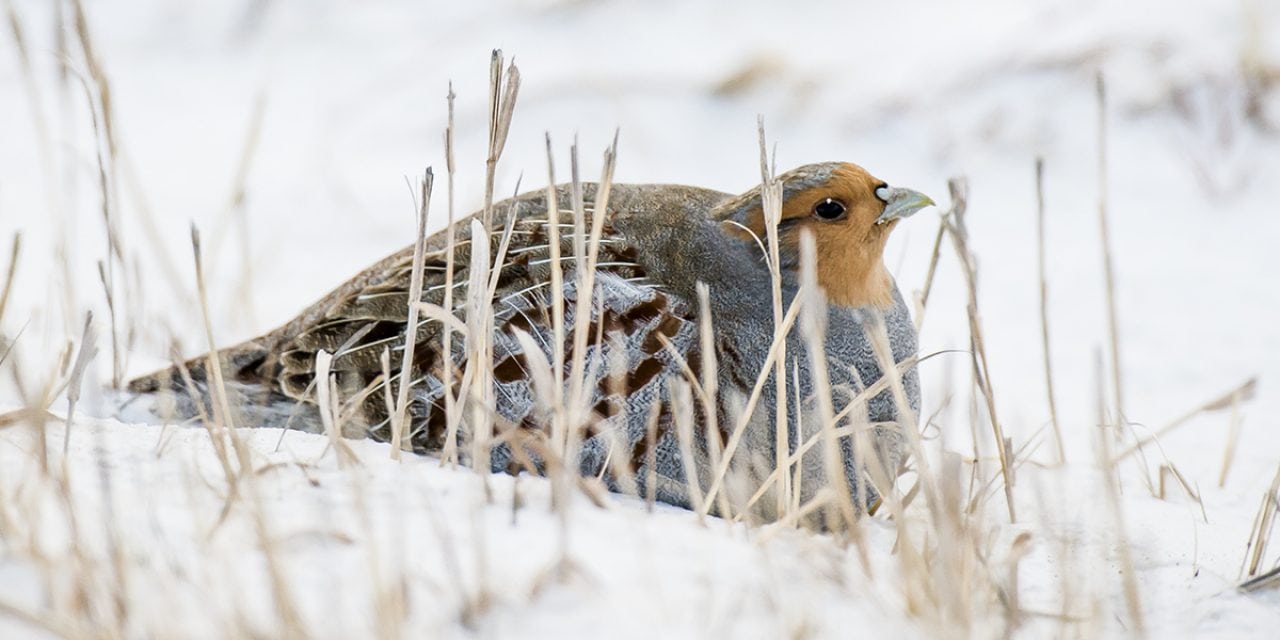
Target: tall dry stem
x: 1108, y: 265
x: 1044, y: 314
x: 981, y: 373
x: 399, y: 417
x: 771, y: 205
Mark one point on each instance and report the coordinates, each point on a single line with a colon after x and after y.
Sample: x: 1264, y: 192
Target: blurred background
x: 287, y: 132
x: 290, y: 133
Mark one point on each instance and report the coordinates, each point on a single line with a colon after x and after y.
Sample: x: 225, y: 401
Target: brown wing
x: 364, y: 322
x: 366, y: 317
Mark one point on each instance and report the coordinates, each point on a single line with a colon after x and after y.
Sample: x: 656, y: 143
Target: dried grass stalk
x: 771, y: 205
x: 981, y: 373
x: 399, y: 417
x: 1242, y: 393
x: 1044, y: 314
x: 1260, y: 535
x: 1102, y: 444
x: 1108, y: 265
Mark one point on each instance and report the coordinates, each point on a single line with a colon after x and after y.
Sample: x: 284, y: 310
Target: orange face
x: 850, y: 215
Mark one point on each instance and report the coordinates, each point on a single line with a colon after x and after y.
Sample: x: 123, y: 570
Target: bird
x: 670, y: 261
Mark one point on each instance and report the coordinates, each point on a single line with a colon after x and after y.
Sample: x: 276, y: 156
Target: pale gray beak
x: 900, y: 203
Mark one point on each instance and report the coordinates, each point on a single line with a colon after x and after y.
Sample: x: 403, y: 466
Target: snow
x: 352, y: 101
x: 414, y: 522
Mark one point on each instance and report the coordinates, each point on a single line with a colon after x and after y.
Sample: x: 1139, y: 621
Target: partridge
x: 658, y: 243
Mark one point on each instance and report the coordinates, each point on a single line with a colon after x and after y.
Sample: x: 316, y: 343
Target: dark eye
x: 829, y: 209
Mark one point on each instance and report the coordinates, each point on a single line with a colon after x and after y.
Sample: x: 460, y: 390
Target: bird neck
x: 871, y: 288
x: 851, y: 270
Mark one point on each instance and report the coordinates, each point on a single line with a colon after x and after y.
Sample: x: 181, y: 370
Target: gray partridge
x: 658, y: 243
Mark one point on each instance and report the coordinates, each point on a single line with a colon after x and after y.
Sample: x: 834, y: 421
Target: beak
x: 900, y: 203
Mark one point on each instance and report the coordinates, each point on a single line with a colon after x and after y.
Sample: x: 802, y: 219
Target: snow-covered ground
x: 318, y: 110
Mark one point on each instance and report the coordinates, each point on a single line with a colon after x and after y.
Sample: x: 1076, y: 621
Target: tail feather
x: 241, y: 363
x: 249, y: 382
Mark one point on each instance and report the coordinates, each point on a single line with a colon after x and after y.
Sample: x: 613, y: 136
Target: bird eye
x: 829, y: 209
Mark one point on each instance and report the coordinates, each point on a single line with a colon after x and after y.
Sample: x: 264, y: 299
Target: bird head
x: 850, y: 214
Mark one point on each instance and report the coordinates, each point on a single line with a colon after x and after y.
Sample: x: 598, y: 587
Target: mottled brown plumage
x: 658, y: 242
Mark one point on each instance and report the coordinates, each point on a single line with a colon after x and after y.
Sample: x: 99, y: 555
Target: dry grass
x: 953, y: 560
x: 1044, y: 315
x: 1102, y: 449
x: 1254, y: 574
x: 981, y: 372
x: 1108, y: 263
x: 399, y: 415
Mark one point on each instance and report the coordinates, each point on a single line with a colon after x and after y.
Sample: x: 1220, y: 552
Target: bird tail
x: 186, y: 390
